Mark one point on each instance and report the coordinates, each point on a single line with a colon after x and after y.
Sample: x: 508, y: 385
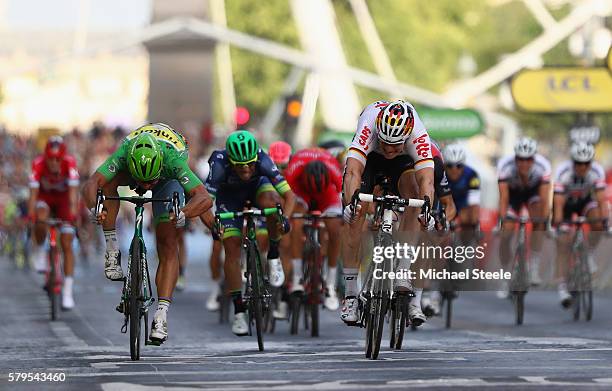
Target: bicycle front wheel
x: 376, y: 323
x: 257, y: 297
x: 54, y: 282
x: 134, y: 301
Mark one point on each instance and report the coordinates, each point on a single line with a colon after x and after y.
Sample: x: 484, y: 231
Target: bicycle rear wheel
x: 398, y: 324
x: 519, y: 307
x: 295, y: 303
x: 588, y: 309
x: 448, y: 296
x: 134, y: 301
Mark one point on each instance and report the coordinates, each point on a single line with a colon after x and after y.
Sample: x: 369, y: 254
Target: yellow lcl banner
x: 551, y: 90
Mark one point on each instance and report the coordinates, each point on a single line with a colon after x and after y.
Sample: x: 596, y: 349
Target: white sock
x: 331, y: 275
x: 562, y: 286
x: 416, y: 300
x: 298, y: 271
x: 68, y: 281
x: 110, y: 237
x: 350, y: 282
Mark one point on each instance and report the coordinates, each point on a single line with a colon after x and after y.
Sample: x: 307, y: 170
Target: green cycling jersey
x: 175, y: 164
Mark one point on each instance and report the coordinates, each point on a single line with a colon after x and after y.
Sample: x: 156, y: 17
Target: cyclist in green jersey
x: 152, y: 157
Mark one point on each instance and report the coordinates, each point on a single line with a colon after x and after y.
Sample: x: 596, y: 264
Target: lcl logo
x: 570, y: 84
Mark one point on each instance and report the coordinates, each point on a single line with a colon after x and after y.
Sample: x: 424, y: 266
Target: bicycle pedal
x: 119, y: 308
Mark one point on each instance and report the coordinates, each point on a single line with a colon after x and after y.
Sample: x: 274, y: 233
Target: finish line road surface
x: 483, y: 350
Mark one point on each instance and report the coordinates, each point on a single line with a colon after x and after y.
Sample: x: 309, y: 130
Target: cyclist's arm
x: 544, y: 192
x: 32, y: 202
x: 504, y: 198
x: 352, y: 179
x: 449, y: 207
x: 73, y: 197
x: 600, y: 196
x: 425, y: 180
x: 90, y: 189
x: 558, y: 204
x: 199, y: 204
x: 289, y: 199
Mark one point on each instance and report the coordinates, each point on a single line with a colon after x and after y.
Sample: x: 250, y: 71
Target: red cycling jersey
x: 47, y: 182
x: 330, y: 197
x: 53, y: 188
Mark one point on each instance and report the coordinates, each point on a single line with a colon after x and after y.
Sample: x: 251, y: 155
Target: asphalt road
x: 483, y: 350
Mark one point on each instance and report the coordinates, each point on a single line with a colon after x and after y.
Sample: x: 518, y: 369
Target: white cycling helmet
x: 582, y: 152
x: 525, y: 147
x: 454, y: 154
x: 395, y: 122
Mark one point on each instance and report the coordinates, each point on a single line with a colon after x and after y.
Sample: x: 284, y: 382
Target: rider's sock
x: 110, y: 237
x: 273, y: 251
x: 163, y: 303
x: 331, y: 276
x: 298, y: 271
x: 238, y: 303
x: 350, y: 282
x: 418, y: 295
x: 68, y: 281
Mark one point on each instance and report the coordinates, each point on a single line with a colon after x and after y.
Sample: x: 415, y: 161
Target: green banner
x: 441, y: 124
x: 448, y: 123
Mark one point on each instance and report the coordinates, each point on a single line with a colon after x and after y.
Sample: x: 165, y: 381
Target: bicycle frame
x: 53, y: 276
x: 256, y: 296
x: 147, y: 293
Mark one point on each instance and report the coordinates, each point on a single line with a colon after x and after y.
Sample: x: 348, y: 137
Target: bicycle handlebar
x: 137, y: 200
x: 248, y: 212
x: 393, y: 200
x: 313, y: 215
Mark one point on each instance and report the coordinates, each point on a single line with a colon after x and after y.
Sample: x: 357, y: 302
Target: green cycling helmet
x: 145, y: 158
x: 241, y: 147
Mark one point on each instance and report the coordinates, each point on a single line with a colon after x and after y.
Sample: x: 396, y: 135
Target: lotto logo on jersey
x: 422, y: 146
x: 363, y: 137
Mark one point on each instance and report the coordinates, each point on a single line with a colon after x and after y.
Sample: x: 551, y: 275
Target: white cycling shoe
x: 416, y: 315
x: 112, y: 265
x: 240, y: 327
x: 67, y: 302
x: 504, y: 292
x: 212, y: 303
x: 565, y: 297
x: 281, y: 311
x: 348, y: 314
x: 277, y: 275
x: 331, y: 298
x: 159, y: 327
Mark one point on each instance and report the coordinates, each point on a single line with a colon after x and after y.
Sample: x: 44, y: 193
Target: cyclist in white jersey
x: 524, y: 181
x: 580, y: 185
x: 391, y: 141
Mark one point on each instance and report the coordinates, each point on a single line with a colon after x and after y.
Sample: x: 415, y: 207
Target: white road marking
x: 66, y: 335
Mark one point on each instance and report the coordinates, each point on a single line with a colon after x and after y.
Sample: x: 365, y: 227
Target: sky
x: 64, y: 14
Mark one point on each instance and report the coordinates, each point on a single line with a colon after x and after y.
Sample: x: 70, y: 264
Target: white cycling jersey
x: 365, y: 140
x: 575, y: 187
x: 508, y: 172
